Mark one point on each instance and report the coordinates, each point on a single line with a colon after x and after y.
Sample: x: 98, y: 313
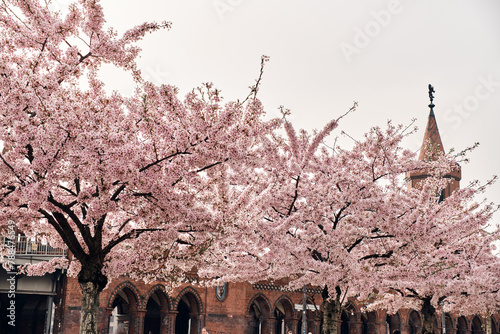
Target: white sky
x: 326, y: 54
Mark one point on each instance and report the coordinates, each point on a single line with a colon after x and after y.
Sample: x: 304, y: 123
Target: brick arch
x: 266, y: 314
x: 284, y: 299
x: 352, y: 306
x: 288, y: 318
x: 462, y: 322
x: 349, y: 317
x: 135, y: 301
x: 371, y: 316
x: 254, y: 298
x: 414, y: 321
x: 120, y: 287
x: 196, y: 309
x: 369, y: 321
x: 394, y: 321
x: 476, y: 325
x: 164, y: 297
x: 191, y: 291
x: 452, y: 323
x: 494, y: 325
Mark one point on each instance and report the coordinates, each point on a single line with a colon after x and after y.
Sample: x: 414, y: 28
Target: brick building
x: 242, y: 308
x: 133, y: 307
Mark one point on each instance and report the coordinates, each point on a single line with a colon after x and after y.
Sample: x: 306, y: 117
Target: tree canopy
x: 127, y: 184
x: 152, y: 185
x: 345, y: 220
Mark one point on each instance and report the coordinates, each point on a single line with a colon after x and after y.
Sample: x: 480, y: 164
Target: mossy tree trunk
x: 331, y: 309
x: 487, y: 326
x: 92, y: 282
x: 429, y: 314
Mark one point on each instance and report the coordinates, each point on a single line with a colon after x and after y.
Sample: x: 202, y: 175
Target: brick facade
x: 242, y: 310
x: 230, y: 313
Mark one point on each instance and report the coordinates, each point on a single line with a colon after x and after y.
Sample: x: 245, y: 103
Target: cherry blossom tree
x: 446, y: 258
x: 339, y: 219
x: 126, y: 184
x: 317, y: 215
x: 152, y: 185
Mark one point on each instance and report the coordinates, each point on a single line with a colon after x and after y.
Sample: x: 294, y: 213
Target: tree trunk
x: 428, y: 312
x: 90, y: 308
x: 487, y: 325
x: 331, y: 314
x: 92, y: 282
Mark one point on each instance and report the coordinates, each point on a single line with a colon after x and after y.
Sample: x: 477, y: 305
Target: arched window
x: 124, y: 314
x: 449, y: 324
x: 344, y: 327
x: 393, y: 324
x: 369, y: 323
x: 283, y: 313
x: 476, y: 326
x: 462, y: 325
x: 258, y: 316
x: 188, y: 315
x: 415, y: 323
x: 494, y: 328
x: 157, y: 307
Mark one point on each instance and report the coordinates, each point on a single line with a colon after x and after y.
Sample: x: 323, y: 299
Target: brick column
x: 317, y: 326
x: 140, y: 321
x: 295, y: 325
x: 171, y: 319
x: 272, y: 325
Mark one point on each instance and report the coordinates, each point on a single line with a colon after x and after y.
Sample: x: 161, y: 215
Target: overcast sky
x: 326, y: 54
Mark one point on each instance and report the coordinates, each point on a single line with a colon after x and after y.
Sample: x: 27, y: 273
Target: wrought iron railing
x: 31, y: 246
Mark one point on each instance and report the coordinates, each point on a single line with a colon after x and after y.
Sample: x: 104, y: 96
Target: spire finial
x: 431, y: 97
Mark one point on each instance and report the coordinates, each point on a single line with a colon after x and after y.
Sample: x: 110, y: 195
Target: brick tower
x: 432, y: 146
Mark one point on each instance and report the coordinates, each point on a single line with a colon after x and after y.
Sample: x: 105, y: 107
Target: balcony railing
x: 31, y: 246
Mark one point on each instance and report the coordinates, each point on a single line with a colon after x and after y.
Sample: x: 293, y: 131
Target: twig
x: 254, y: 89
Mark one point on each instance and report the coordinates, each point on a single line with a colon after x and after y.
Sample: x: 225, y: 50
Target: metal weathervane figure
x: 431, y: 97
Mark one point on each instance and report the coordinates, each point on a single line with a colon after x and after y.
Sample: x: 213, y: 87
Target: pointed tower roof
x: 432, y: 143
x: 432, y: 146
